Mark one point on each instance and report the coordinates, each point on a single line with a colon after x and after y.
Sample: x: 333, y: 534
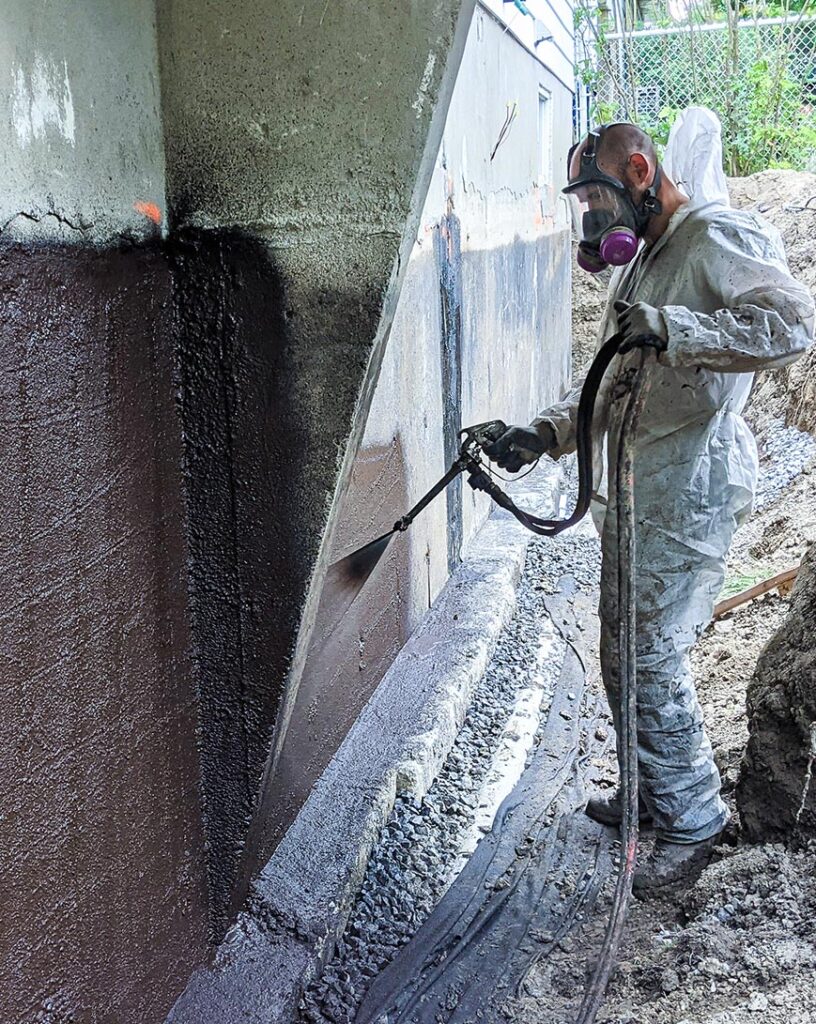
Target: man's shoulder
x: 719, y: 217
x: 718, y: 225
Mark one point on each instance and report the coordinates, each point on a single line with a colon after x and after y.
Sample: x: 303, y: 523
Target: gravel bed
x: 784, y: 453
x: 421, y: 846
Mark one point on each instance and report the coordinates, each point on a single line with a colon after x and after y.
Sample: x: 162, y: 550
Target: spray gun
x: 355, y: 568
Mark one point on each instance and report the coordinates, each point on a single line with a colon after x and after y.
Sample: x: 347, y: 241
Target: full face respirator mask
x: 608, y: 223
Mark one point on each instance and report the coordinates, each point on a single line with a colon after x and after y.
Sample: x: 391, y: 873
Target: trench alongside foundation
x: 443, y: 932
x: 502, y: 807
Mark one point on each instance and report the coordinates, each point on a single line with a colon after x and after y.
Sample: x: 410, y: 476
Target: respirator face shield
x: 608, y: 222
x: 604, y: 224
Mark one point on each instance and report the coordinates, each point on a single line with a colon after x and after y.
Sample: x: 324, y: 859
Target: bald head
x: 617, y: 147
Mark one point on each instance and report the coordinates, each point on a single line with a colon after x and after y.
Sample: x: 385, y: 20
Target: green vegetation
x: 760, y: 79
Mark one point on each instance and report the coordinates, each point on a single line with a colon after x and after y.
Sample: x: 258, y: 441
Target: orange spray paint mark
x: 149, y: 210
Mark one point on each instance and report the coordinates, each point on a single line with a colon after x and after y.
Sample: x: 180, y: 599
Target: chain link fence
x: 759, y: 76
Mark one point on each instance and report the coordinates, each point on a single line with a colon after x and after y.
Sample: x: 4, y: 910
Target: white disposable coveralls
x: 721, y: 281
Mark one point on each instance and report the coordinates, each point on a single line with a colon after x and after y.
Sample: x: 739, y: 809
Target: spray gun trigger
x: 483, y: 433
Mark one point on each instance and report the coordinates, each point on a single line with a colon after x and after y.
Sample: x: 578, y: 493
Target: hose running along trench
x: 627, y: 659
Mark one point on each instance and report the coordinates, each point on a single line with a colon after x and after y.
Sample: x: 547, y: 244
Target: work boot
x: 673, y: 862
x: 608, y: 810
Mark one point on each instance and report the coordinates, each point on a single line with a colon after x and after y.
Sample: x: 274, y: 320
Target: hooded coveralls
x: 721, y: 281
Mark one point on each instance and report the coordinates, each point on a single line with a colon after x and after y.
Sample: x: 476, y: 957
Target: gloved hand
x: 641, y: 324
x: 518, y: 446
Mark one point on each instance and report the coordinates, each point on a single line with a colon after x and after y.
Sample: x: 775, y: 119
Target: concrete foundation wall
x: 482, y: 331
x: 104, y: 894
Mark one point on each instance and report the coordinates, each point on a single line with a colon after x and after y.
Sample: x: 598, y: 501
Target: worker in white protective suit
x: 709, y: 288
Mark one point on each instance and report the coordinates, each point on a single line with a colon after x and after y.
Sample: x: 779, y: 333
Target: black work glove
x: 641, y: 325
x: 519, y: 446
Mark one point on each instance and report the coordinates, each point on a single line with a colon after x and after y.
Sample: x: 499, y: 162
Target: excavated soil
x: 739, y: 946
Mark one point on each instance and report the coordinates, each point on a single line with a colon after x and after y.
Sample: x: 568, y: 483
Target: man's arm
x: 767, y: 317
x: 557, y: 426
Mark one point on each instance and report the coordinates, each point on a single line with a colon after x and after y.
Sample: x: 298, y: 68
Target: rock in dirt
x: 775, y: 794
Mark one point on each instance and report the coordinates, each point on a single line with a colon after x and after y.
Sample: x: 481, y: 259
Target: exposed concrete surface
x: 102, y: 875
x: 300, y: 902
x: 81, y: 151
x: 325, y: 149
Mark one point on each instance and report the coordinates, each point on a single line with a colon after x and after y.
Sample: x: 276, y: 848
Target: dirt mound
x: 745, y: 950
x: 775, y: 795
x: 754, y: 886
x: 788, y: 200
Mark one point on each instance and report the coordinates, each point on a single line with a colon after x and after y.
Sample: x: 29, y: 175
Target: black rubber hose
x: 585, y: 416
x: 627, y: 663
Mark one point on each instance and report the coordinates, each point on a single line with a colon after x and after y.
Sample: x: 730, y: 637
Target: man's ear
x: 638, y: 168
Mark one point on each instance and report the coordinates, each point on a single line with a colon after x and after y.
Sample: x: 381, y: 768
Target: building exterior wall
x: 481, y: 331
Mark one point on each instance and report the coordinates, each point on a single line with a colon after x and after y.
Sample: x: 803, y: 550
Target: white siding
x: 546, y: 18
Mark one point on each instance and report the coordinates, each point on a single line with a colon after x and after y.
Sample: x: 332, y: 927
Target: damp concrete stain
x: 425, y: 843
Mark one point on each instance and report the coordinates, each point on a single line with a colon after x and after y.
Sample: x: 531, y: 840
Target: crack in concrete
x: 61, y: 219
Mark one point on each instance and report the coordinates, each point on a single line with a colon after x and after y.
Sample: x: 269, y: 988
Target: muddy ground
x: 739, y: 945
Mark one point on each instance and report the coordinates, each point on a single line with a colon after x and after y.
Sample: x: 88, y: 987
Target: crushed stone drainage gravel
x: 425, y: 842
x: 785, y: 453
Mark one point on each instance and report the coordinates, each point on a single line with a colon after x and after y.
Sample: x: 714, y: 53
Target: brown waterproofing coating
x: 101, y: 838
x: 254, y: 525
x: 107, y: 469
